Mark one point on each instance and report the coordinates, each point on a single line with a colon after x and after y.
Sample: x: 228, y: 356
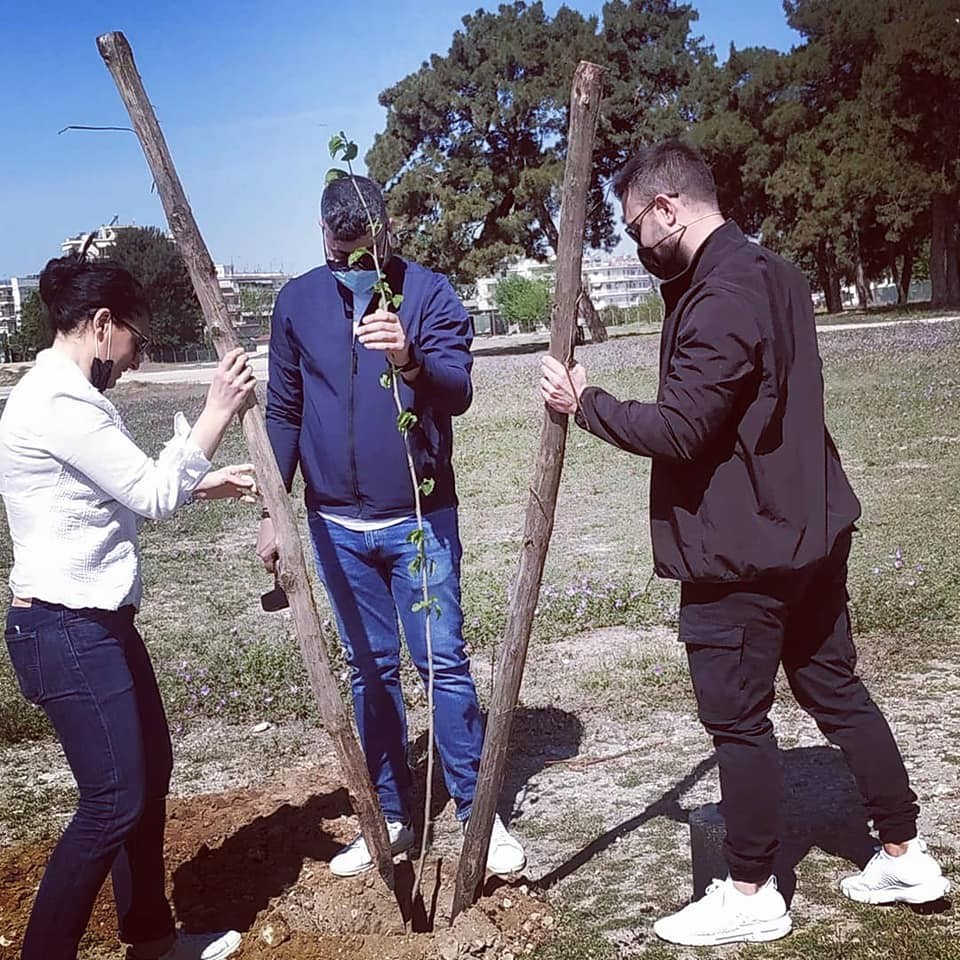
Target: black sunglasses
x: 632, y: 229
x: 143, y: 343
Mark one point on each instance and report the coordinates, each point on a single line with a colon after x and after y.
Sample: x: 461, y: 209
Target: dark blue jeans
x: 369, y: 582
x: 90, y: 672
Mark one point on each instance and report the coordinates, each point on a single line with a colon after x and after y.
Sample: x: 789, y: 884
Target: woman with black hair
x: 76, y: 488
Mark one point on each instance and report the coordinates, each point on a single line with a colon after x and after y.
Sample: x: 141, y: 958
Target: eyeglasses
x: 632, y: 229
x: 143, y: 343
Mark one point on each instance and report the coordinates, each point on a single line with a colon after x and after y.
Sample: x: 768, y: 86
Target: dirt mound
x: 256, y: 860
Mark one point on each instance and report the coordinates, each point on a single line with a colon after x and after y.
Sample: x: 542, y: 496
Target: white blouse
x: 75, y: 486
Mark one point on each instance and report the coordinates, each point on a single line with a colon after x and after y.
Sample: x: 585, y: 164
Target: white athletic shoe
x: 203, y: 946
x: 505, y: 854
x: 914, y: 877
x: 355, y: 858
x: 725, y: 915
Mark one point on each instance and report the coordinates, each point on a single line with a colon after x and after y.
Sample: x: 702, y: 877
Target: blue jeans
x: 90, y: 672
x: 369, y: 583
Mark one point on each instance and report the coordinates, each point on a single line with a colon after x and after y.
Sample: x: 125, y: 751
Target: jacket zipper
x: 353, y: 446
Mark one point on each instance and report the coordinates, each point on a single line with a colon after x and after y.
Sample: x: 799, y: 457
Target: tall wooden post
x: 118, y: 57
x: 538, y: 526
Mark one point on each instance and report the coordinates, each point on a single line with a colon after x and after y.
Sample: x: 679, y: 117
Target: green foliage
x: 647, y: 312
x: 844, y: 153
x: 35, y: 333
x: 524, y: 301
x: 155, y: 261
x: 475, y: 141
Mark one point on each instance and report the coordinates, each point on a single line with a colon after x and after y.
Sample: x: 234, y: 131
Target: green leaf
x: 396, y: 300
x: 406, y: 420
x: 334, y: 174
x: 415, y: 565
x: 415, y: 537
x: 427, y: 485
x: 337, y: 143
x: 421, y: 605
x: 386, y: 379
x: 350, y: 151
x: 356, y: 255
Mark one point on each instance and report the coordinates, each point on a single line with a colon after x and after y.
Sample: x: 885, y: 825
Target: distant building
x: 616, y: 281
x: 103, y: 240
x: 14, y: 291
x: 250, y: 296
x: 610, y: 282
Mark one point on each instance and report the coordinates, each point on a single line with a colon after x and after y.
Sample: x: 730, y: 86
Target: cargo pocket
x: 715, y: 655
x: 24, y: 650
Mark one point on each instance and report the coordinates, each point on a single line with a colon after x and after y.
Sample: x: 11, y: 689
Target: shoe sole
x: 772, y: 930
x: 507, y: 873
x: 346, y: 874
x: 919, y: 893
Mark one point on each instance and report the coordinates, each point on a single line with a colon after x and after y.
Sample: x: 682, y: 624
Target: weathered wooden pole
x: 584, y: 107
x: 118, y: 57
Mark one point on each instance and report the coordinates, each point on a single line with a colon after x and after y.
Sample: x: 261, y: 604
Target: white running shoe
x: 725, y: 915
x: 355, y: 858
x: 202, y: 946
x: 914, y: 877
x: 505, y: 854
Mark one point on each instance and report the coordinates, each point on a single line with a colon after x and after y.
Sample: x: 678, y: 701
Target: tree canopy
x: 843, y: 154
x: 155, y: 261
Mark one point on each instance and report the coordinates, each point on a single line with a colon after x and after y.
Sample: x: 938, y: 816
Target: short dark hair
x: 74, y: 288
x: 342, y: 211
x: 671, y: 166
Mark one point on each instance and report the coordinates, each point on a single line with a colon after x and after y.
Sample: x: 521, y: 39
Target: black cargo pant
x: 736, y: 637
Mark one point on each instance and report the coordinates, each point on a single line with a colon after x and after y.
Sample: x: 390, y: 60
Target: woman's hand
x: 233, y: 382
x: 236, y: 481
x: 231, y: 390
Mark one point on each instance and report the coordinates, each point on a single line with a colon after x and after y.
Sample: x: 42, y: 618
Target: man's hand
x: 237, y: 480
x: 382, y: 330
x: 561, y: 387
x: 267, y: 544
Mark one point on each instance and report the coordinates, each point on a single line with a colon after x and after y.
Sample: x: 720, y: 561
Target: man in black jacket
x: 750, y: 509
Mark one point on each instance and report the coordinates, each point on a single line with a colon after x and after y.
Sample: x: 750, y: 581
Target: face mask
x: 358, y: 282
x: 101, y: 370
x: 666, y: 263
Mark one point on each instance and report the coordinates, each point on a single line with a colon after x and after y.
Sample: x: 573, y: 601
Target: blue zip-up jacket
x: 326, y: 408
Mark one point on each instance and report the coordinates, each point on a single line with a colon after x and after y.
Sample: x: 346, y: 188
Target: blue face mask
x: 358, y: 282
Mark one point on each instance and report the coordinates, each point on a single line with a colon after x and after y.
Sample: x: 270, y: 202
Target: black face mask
x: 100, y: 372
x: 664, y: 262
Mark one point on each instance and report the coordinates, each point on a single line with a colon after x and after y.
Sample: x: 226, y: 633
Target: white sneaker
x: 504, y: 855
x: 203, y: 946
x: 725, y: 915
x: 355, y: 858
x: 914, y: 877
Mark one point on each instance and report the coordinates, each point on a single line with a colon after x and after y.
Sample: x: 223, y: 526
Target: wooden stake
x: 584, y: 107
x: 118, y: 57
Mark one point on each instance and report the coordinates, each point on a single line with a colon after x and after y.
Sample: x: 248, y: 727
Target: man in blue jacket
x: 330, y: 343
x: 750, y: 509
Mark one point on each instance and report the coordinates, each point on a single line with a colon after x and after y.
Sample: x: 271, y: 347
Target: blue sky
x: 248, y: 94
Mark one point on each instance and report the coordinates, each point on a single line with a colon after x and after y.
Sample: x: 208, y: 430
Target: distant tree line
x: 842, y: 154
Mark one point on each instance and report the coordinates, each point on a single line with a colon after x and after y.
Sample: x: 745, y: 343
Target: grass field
x: 605, y: 678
